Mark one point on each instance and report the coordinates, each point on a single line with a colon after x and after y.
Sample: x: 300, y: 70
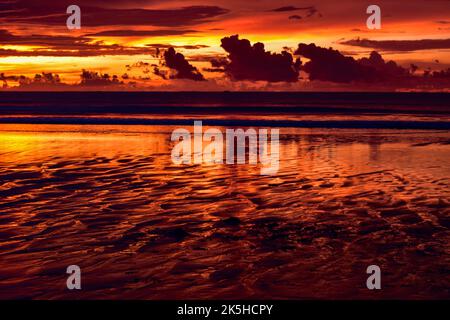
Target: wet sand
x: 109, y: 199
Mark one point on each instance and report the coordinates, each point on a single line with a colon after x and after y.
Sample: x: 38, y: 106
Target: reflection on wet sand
x: 110, y: 200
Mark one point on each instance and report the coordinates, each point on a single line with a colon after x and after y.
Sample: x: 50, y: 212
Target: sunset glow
x: 114, y: 36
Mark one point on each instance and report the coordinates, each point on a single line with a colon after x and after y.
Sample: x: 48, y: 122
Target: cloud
x: 168, y: 45
x: 89, y: 80
x: 63, y: 46
x: 218, y: 70
x: 140, y: 65
x: 39, y: 81
x: 53, y: 13
x: 15, y: 78
x: 249, y: 62
x: 140, y: 33
x: 184, y: 70
x: 289, y: 8
x: 309, y: 11
x: 7, y: 37
x: 331, y: 65
x: 295, y: 17
x: 442, y: 74
x: 92, y: 78
x: 292, y: 8
x: 241, y: 66
x: 82, y: 46
x: 219, y: 62
x: 400, y: 45
x: 90, y: 52
x: 373, y: 72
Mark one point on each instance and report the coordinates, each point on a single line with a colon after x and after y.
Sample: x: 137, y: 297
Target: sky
x: 125, y: 45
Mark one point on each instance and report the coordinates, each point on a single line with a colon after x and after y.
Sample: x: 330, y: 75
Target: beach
x: 108, y: 198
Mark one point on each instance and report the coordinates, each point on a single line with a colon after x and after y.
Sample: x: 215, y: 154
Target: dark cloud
x: 16, y: 78
x: 443, y: 74
x: 400, y: 45
x: 249, y: 62
x: 168, y: 45
x: 292, y: 8
x: 295, y: 17
x: 372, y: 72
x: 219, y: 62
x: 63, y: 46
x: 82, y: 46
x: 309, y: 11
x: 95, y: 79
x: 184, y: 70
x: 53, y: 13
x: 48, y: 80
x: 79, y: 53
x: 313, y: 11
x: 218, y: 70
x: 40, y: 80
x: 140, y: 65
x: 7, y: 37
x: 140, y: 33
x: 331, y: 65
x: 287, y: 9
x: 204, y: 57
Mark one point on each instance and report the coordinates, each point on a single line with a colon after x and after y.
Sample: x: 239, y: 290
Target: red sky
x: 120, y: 38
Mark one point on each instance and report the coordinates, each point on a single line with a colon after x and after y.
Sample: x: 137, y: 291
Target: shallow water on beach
x: 109, y: 199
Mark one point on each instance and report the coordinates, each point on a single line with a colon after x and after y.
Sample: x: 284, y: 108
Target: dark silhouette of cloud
x: 92, y: 78
x: 168, y: 45
x: 249, y: 62
x: 40, y: 80
x: 295, y: 17
x: 440, y: 74
x: 140, y: 65
x: 184, y: 70
x: 67, y: 46
x: 288, y: 8
x: 63, y: 46
x: 218, y: 70
x: 219, y: 62
x: 372, y: 72
x: 53, y: 13
x: 309, y: 11
x: 7, y: 37
x: 331, y: 65
x: 400, y: 45
x: 140, y: 33
x: 51, y: 81
x: 79, y: 53
x: 292, y: 8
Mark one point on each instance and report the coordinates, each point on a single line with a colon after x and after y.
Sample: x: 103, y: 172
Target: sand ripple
x: 141, y: 227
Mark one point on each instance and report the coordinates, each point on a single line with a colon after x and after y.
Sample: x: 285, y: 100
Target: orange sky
x: 116, y: 34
